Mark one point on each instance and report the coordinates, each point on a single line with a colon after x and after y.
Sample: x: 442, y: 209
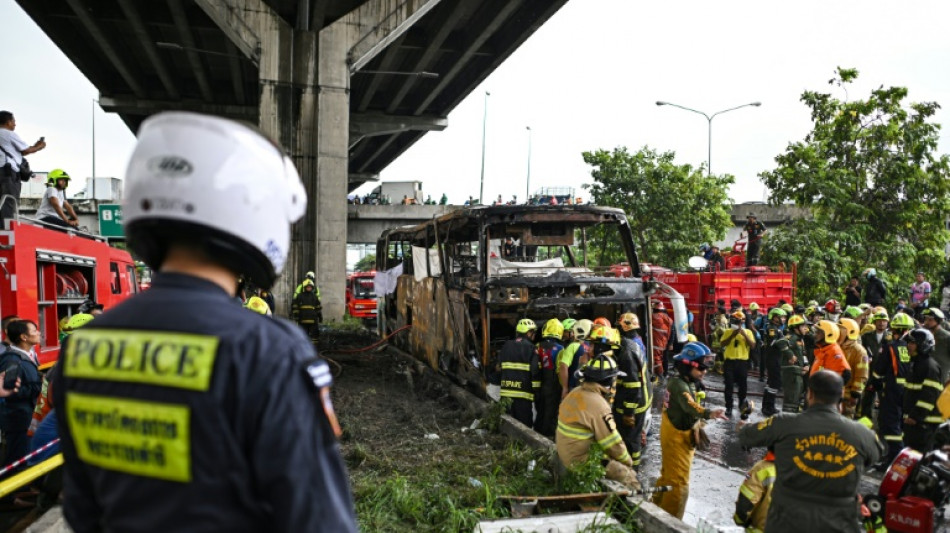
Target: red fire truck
x: 47, y: 274
x: 360, y: 296
x: 701, y: 288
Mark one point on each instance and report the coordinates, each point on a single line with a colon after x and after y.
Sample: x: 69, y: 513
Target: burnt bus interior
x: 468, y: 277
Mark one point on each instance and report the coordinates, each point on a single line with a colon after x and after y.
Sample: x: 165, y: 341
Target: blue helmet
x: 695, y: 354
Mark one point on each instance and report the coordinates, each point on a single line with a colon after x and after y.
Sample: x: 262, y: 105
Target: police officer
x: 819, y: 459
x: 584, y: 418
x: 178, y: 409
x: 921, y: 417
x: 520, y: 372
x: 889, y: 376
x: 772, y: 351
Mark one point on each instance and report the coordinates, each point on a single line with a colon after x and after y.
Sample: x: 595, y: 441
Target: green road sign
x: 110, y: 220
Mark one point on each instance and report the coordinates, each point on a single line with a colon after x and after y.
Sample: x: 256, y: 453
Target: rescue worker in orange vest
x: 857, y: 358
x: 889, y: 377
x: 921, y: 417
x: 680, y: 420
x: 755, y: 495
x: 549, y: 396
x: 585, y: 417
x: 520, y: 372
x: 662, y: 326
x: 828, y: 355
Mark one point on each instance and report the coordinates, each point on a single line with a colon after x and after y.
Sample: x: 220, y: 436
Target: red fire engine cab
x: 47, y: 274
x: 360, y: 296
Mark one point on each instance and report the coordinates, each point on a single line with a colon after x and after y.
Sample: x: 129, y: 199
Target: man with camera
x: 12, y: 150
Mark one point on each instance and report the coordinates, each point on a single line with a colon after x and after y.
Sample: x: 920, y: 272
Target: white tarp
x: 499, y: 267
x: 384, y: 282
x: 419, y: 262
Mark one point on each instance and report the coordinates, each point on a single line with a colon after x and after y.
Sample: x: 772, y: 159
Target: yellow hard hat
x: 829, y: 330
x: 849, y: 329
x: 629, y: 321
x: 258, y: 305
x: 553, y: 328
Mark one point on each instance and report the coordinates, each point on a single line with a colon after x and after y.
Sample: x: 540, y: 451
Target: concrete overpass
x: 344, y: 86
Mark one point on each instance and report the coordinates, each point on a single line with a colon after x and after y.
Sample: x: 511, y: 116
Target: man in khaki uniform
x: 585, y: 417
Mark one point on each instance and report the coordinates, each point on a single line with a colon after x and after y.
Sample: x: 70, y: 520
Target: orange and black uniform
x: 520, y: 377
x: 181, y: 411
x: 889, y: 374
x: 831, y: 357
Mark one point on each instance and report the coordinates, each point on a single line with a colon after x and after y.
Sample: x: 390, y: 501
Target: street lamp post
x: 481, y: 190
x: 709, y: 119
x: 527, y: 186
x: 94, y: 102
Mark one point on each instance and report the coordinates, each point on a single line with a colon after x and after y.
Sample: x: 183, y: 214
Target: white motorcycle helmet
x: 214, y: 183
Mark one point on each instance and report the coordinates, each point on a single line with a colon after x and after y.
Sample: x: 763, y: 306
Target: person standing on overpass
x: 226, y: 419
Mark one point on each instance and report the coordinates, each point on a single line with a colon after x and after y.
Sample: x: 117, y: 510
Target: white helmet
x: 214, y: 182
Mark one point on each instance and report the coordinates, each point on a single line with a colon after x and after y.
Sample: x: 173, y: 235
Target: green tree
x: 367, y: 263
x: 878, y: 192
x: 671, y: 208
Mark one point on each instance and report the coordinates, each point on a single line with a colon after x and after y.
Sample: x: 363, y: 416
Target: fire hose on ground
x: 380, y: 342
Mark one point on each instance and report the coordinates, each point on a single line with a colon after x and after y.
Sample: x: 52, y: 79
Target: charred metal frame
x: 453, y: 311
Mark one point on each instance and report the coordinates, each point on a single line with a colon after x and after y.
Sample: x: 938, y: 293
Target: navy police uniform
x: 181, y: 411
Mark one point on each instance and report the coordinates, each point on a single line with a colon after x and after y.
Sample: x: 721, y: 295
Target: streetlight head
x: 756, y: 104
x: 487, y: 93
x: 660, y: 102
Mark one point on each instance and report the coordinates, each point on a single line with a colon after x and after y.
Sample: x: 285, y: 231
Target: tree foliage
x: 671, y: 208
x: 366, y: 263
x: 878, y: 192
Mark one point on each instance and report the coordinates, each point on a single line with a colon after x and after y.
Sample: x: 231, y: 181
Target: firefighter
x: 574, y: 356
x: 633, y: 395
x: 889, y: 373
x: 313, y: 279
x: 791, y: 349
x: 307, y: 310
x: 874, y: 342
x: 549, y: 396
x: 520, y: 372
x: 755, y: 495
x: 771, y: 350
x: 680, y: 418
x: 921, y: 417
x: 828, y: 355
x: 857, y: 358
x: 258, y: 305
x: 755, y: 230
x: 819, y: 459
x: 832, y: 310
x: 227, y: 423
x: 933, y: 321
x: 662, y: 326
x: 737, y: 342
x: 585, y: 417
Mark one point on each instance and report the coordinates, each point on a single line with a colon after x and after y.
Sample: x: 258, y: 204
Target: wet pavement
x: 717, y: 473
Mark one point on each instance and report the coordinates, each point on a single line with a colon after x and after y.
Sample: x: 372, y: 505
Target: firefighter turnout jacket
x: 755, y: 495
x: 831, y: 357
x: 819, y: 459
x: 584, y: 417
x: 181, y: 411
x: 307, y: 309
x: 921, y: 391
x: 857, y: 358
x: 630, y: 388
x: 520, y: 369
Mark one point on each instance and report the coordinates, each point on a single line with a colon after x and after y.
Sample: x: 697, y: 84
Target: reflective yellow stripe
x: 747, y: 492
x: 933, y: 419
x: 536, y: 384
x: 894, y: 437
x: 932, y: 383
x: 508, y: 393
x: 632, y: 385
x: 149, y: 439
x: 516, y: 366
x: 625, y: 457
x: 609, y: 440
x: 913, y: 386
x: 767, y: 472
x: 643, y: 408
x: 925, y: 405
x: 630, y: 405
x: 901, y: 381
x: 180, y: 360
x: 573, y: 432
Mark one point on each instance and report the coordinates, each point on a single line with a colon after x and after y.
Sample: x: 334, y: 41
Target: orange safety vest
x: 830, y: 357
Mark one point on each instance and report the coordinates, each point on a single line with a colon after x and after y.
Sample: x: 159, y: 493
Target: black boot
x: 768, y: 403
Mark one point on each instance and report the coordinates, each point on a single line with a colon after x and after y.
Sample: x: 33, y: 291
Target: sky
x: 588, y: 79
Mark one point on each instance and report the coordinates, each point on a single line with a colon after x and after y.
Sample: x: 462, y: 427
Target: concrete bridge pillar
x: 304, y: 105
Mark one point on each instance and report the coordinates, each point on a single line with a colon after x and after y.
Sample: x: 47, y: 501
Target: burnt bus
x: 463, y: 280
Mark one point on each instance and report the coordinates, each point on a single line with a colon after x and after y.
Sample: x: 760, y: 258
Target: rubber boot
x: 768, y: 402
